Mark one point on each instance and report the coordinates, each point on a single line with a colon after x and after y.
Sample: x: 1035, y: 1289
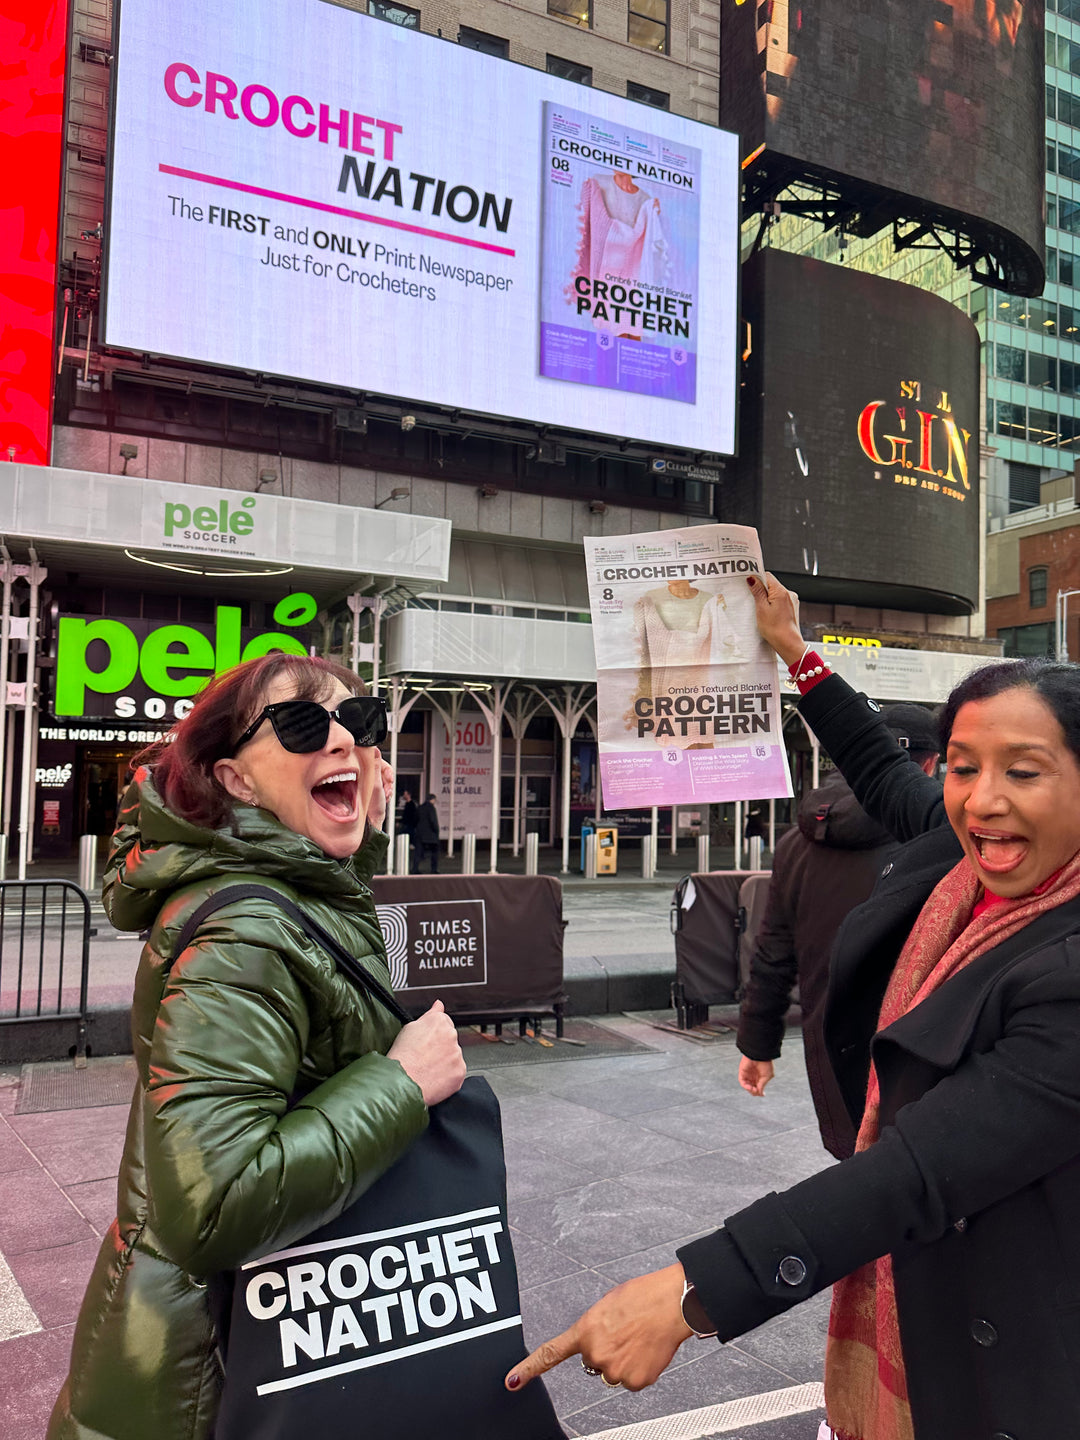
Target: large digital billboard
x: 940, y: 101
x: 304, y: 191
x: 859, y: 437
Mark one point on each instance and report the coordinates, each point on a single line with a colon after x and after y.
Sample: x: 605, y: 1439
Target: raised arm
x: 849, y: 726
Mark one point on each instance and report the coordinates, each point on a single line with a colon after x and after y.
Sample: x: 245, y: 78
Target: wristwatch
x: 693, y: 1312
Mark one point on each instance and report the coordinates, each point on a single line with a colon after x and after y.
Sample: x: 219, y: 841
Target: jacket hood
x: 846, y: 826
x: 155, y: 851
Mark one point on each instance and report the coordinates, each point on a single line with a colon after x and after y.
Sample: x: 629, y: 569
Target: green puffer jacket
x: 223, y: 1162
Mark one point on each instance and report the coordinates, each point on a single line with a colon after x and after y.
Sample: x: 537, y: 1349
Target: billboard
x: 33, y: 39
x: 937, y: 100
x: 859, y: 455
x: 292, y: 171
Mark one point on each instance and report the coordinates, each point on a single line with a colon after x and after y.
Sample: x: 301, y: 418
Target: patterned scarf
x: 865, y: 1386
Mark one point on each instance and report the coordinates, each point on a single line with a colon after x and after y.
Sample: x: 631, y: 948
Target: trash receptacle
x: 587, y: 829
x: 607, y: 850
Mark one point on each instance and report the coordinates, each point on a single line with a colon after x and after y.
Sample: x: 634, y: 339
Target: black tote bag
x: 400, y: 1317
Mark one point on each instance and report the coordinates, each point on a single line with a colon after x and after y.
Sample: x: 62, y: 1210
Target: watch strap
x: 693, y: 1312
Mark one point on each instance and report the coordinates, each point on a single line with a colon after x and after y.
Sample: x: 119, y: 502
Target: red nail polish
x: 513, y: 1382
x: 750, y: 581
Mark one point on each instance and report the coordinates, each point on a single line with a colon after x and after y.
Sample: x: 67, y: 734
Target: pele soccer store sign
x: 136, y: 670
x: 485, y: 945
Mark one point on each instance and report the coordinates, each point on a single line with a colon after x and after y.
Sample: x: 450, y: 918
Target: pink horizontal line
x: 334, y: 209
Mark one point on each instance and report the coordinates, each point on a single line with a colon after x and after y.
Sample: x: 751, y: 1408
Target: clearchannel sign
x: 318, y: 218
x: 134, y: 669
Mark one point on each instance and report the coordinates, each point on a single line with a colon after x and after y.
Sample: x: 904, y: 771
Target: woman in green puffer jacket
x: 271, y: 1092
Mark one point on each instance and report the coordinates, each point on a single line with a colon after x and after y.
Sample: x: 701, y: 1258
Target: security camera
x: 408, y: 422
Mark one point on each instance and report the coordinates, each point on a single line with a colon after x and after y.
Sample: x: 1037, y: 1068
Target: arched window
x: 1037, y: 587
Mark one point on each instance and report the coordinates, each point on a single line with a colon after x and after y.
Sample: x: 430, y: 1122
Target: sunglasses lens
x: 301, y: 725
x: 364, y: 716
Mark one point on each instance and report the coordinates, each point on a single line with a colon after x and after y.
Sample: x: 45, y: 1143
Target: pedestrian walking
x: 427, y: 835
x: 824, y: 866
x: 410, y: 814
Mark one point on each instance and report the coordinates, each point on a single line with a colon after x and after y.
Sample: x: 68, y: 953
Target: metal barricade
x: 44, y: 957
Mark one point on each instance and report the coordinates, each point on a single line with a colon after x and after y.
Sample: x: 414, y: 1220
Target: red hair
x: 183, y: 761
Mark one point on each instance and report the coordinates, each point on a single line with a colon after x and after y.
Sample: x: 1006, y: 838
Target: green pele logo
x: 173, y: 660
x: 215, y: 524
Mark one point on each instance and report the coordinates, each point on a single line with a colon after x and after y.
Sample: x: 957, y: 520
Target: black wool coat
x: 974, y: 1184
x: 824, y: 866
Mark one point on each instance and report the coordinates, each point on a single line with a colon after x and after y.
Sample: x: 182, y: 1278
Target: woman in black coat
x: 954, y: 1228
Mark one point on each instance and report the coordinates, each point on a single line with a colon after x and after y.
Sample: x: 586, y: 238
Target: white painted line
x: 718, y: 1419
x: 16, y: 1316
x: 421, y: 1348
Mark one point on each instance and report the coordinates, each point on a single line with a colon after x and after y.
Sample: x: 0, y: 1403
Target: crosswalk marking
x: 16, y: 1315
x: 720, y: 1419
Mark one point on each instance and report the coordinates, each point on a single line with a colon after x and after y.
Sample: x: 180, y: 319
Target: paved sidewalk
x: 611, y: 1163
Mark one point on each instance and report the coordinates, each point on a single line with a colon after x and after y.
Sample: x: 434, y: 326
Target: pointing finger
x: 550, y: 1354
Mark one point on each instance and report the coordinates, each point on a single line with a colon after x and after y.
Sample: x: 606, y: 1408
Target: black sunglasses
x: 302, y: 726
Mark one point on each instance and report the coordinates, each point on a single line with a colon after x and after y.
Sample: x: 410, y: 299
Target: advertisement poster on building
x: 688, y: 695
x: 619, y: 257
x: 472, y: 777
x: 305, y: 197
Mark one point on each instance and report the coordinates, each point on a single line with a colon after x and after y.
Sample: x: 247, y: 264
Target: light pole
x: 1061, y: 606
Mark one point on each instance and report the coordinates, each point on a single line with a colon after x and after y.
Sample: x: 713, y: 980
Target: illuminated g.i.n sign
x: 922, y: 439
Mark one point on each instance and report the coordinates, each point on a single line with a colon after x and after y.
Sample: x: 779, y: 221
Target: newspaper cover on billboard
x: 618, y: 257
x: 688, y: 694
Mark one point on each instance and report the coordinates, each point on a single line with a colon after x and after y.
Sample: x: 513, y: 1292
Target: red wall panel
x: 33, y: 50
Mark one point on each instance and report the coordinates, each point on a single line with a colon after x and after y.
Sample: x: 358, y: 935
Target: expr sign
x: 128, y: 669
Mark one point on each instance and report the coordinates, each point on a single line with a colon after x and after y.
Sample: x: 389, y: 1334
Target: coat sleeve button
x: 960, y: 1226
x: 983, y: 1333
x: 887, y: 870
x: 792, y: 1270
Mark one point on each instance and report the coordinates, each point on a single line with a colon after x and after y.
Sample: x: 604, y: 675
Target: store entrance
x: 103, y: 776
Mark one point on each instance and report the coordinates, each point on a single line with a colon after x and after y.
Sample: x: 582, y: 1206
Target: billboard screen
x: 859, y: 445
x: 937, y: 100
x: 304, y: 191
x: 33, y: 40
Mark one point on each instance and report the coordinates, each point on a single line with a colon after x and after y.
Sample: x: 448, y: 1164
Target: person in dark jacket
x: 271, y: 1091
x: 410, y: 815
x: 427, y: 835
x: 823, y: 867
x: 952, y: 1023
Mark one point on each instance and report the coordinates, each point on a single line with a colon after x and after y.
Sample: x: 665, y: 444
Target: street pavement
x: 611, y: 1163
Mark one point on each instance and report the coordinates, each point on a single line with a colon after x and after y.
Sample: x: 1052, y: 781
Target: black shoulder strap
x: 346, y: 963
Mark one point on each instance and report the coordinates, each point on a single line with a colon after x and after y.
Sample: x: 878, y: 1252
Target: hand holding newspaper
x: 688, y: 699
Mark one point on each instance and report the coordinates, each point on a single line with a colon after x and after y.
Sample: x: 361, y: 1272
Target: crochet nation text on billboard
x: 304, y: 191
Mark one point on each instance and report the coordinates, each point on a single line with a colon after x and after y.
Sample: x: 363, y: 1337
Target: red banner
x: 33, y: 44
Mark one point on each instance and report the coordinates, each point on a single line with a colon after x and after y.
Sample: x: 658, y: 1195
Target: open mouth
x: 998, y: 853
x: 337, y: 795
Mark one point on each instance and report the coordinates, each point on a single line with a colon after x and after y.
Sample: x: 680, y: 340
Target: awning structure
x: 181, y: 535
x: 508, y: 612
x: 886, y: 674
x: 521, y: 574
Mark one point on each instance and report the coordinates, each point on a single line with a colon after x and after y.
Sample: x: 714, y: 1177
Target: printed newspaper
x: 688, y: 697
